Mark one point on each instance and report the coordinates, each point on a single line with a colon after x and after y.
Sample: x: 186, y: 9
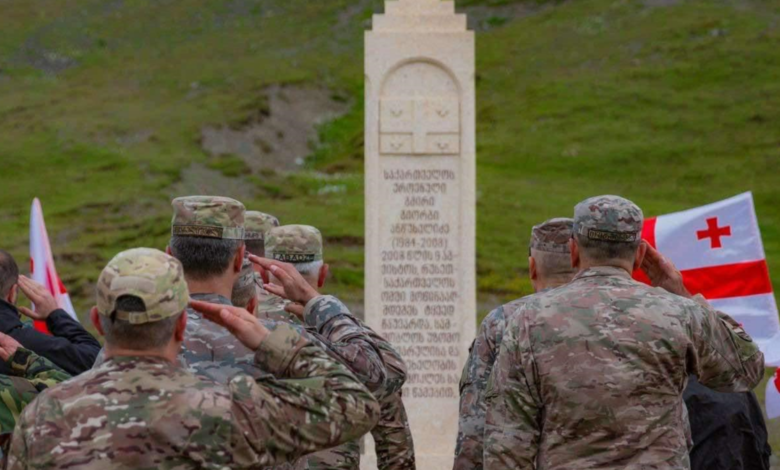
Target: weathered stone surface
x: 420, y: 208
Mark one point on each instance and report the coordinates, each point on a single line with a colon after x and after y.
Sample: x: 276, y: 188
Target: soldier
x: 207, y: 237
x: 69, y: 346
x: 31, y: 374
x: 257, y: 225
x: 140, y: 409
x: 590, y: 375
x: 301, y: 246
x: 549, y: 266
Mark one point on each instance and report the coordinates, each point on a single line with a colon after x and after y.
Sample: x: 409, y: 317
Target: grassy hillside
x: 103, y: 106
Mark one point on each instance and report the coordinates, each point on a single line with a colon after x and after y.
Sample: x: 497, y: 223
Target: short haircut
x: 553, y: 266
x: 308, y: 269
x: 601, y: 250
x: 256, y: 247
x: 138, y: 337
x: 204, y: 258
x: 9, y: 272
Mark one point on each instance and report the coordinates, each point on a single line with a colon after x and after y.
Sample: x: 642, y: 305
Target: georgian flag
x: 719, y: 251
x: 42, y: 268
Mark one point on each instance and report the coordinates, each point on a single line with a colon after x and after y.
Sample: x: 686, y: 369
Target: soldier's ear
x: 13, y: 294
x: 640, y: 255
x: 575, y: 253
x: 532, y: 268
x: 323, y: 275
x: 181, y: 327
x: 168, y: 250
x: 95, y: 317
x: 239, y: 260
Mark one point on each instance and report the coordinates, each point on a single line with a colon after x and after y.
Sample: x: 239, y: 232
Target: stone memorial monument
x: 420, y: 208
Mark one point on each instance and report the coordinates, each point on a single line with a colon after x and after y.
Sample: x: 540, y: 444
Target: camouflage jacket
x: 367, y: 354
x: 591, y: 375
x: 32, y: 374
x: 473, y: 382
x: 147, y: 413
x: 393, y: 437
x: 271, y: 307
x: 211, y: 351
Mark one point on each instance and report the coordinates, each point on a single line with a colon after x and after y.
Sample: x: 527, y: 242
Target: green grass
x: 672, y: 107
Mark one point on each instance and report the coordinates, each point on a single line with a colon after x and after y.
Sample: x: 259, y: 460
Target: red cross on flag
x: 718, y: 248
x: 42, y: 268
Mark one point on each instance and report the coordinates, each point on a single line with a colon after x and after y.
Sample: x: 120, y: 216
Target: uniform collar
x: 138, y: 360
x: 603, y: 271
x: 213, y: 298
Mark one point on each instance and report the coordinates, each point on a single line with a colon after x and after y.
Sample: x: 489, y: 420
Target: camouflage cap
x: 150, y: 275
x: 208, y: 216
x: 256, y: 224
x: 294, y: 244
x: 609, y: 218
x: 552, y: 235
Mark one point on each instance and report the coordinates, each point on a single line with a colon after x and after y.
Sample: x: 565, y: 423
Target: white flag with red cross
x: 42, y: 268
x: 719, y: 251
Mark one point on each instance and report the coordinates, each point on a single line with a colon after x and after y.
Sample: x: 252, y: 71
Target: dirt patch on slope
x: 281, y: 137
x: 198, y: 179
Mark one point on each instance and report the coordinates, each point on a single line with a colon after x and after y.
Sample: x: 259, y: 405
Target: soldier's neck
x: 222, y: 285
x: 168, y: 353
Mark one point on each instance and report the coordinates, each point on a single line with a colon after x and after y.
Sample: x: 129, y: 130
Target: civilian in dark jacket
x: 70, y: 347
x: 728, y: 429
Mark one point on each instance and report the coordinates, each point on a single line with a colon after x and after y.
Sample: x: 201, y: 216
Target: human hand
x: 294, y: 287
x: 38, y: 295
x: 296, y: 309
x: 663, y: 273
x: 240, y: 323
x: 8, y: 346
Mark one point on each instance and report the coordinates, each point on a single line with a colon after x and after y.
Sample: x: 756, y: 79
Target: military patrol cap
x: 256, y: 224
x: 208, y: 216
x: 294, y: 244
x: 150, y: 275
x: 552, y: 235
x: 609, y: 218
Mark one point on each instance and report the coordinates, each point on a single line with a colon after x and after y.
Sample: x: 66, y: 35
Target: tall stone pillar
x: 420, y: 208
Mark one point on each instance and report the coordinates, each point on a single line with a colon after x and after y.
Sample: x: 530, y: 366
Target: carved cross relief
x: 419, y: 126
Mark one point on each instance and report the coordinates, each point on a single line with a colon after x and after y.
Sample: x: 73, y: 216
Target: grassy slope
x: 672, y: 106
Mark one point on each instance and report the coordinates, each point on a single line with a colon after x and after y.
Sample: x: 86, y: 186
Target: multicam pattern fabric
x: 393, y: 436
x: 608, y: 218
x: 294, y: 244
x: 271, y: 307
x: 211, y: 351
x: 152, y: 276
x: 256, y: 224
x: 34, y: 375
x: 146, y: 413
x: 208, y: 216
x: 373, y: 360
x: 473, y: 383
x: 552, y: 236
x: 591, y: 375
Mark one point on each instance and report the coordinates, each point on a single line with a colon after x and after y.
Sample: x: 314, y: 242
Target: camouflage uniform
x: 355, y: 345
x: 257, y: 224
x: 591, y: 375
x: 31, y: 375
x: 393, y: 437
x: 552, y: 236
x: 208, y: 349
x: 143, y: 412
